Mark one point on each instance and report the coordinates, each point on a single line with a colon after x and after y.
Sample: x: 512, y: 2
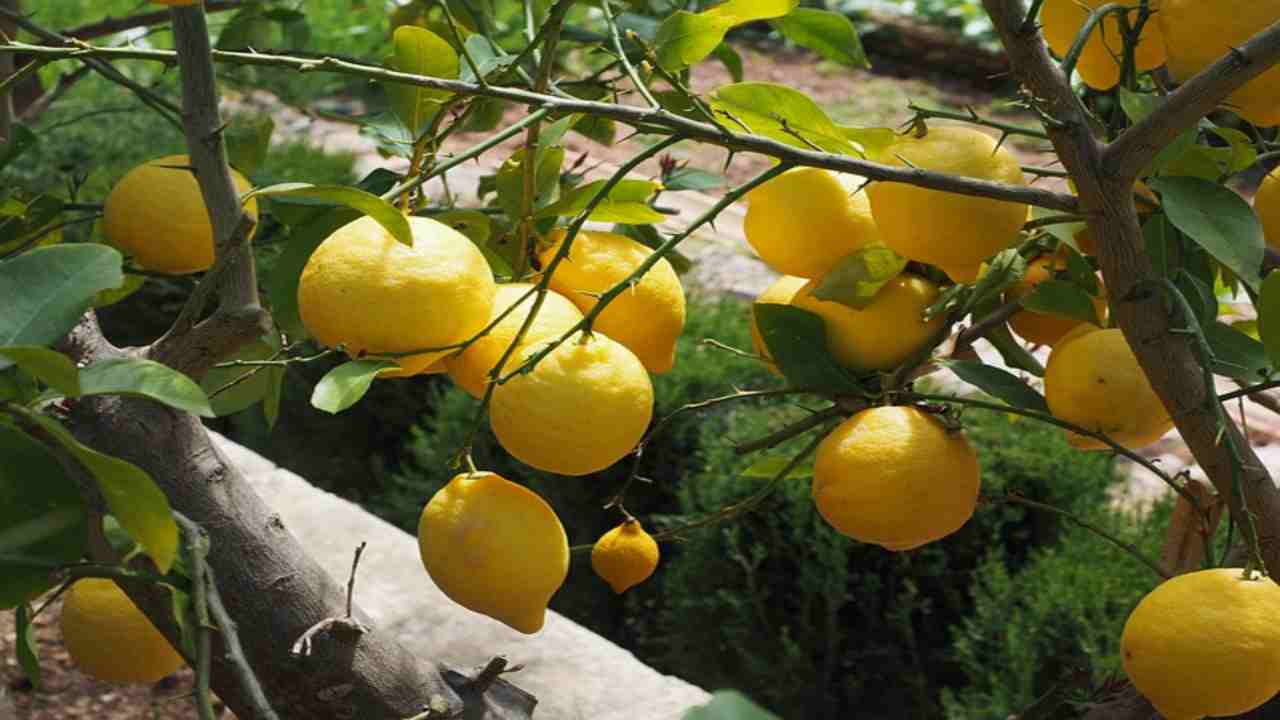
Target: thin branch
x: 1091, y: 23
x: 111, y: 26
x: 794, y: 430
x: 647, y: 119
x: 351, y: 581
x: 1125, y: 546
x: 616, y: 38
x: 973, y: 118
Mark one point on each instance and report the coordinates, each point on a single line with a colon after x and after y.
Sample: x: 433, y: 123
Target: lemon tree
x: 1111, y: 285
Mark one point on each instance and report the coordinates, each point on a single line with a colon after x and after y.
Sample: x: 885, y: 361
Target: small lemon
x: 1205, y: 643
x: 1093, y: 380
x: 494, y: 547
x: 582, y: 408
x: 1043, y: 328
x: 371, y: 294
x: 885, y: 333
x: 1267, y: 204
x: 155, y: 214
x: 648, y: 317
x: 625, y: 556
x: 110, y: 639
x: 781, y: 292
x: 470, y: 368
x: 806, y: 219
x: 895, y: 476
x: 946, y: 229
x: 1199, y: 33
x: 1099, y: 63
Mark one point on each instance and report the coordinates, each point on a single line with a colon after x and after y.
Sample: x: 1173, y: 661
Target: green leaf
x: 21, y: 140
x: 1013, y: 353
x: 1240, y: 152
x: 42, y: 517
x: 510, y: 180
x: 998, y: 383
x: 729, y: 705
x: 781, y: 113
x: 419, y: 51
x: 344, y: 385
x: 1160, y: 242
x: 627, y: 202
x: 685, y: 38
x: 797, y: 341
x: 48, y: 366
x: 856, y: 280
x: 132, y: 496
x: 830, y: 34
x: 45, y: 291
x: 111, y: 296
x: 1236, y: 355
x: 29, y: 223
x: 1005, y: 269
x: 246, y: 29
x: 271, y: 403
x: 282, y: 283
x: 601, y: 130
x: 145, y: 378
x: 386, y: 214
x: 251, y: 384
x: 745, y: 11
x: 1217, y: 219
x: 1059, y: 297
x: 687, y: 178
x: 731, y: 60
x: 489, y: 59
x: 649, y: 236
x: 248, y: 141
x: 1269, y: 316
x: 768, y: 467
x: 870, y: 142
x: 28, y: 653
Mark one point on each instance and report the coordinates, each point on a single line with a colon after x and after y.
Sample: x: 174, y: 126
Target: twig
x: 197, y: 551
x: 111, y: 26
x: 347, y: 625
x: 1086, y: 30
x: 235, y: 651
x: 616, y: 38
x: 351, y: 582
x: 793, y: 430
x: 973, y: 118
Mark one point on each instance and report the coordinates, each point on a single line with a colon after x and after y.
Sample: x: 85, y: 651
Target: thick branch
x: 1183, y: 108
x: 647, y: 119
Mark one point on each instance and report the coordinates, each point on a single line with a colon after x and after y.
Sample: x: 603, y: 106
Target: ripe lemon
x: 1267, y: 204
x: 110, y: 639
x: 1043, y: 328
x: 806, y: 219
x: 946, y: 229
x: 494, y: 547
x: 582, y: 408
x: 625, y: 556
x: 1205, y: 643
x: 647, y: 318
x: 885, y: 333
x: 780, y: 292
x: 1099, y: 63
x: 1093, y: 380
x: 470, y: 368
x: 371, y: 294
x: 1198, y: 33
x: 155, y: 213
x: 895, y: 476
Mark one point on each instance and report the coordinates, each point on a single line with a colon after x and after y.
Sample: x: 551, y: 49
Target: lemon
x: 1093, y: 380
x: 885, y: 333
x: 780, y: 292
x: 625, y: 556
x: 1099, y: 63
x: 1043, y: 328
x: 155, y: 213
x: 582, y: 408
x: 946, y: 229
x: 1267, y: 204
x: 494, y: 547
x: 1205, y: 643
x: 647, y: 318
x: 371, y: 294
x: 110, y: 639
x: 806, y: 219
x: 1199, y: 33
x: 896, y: 477
x: 470, y: 368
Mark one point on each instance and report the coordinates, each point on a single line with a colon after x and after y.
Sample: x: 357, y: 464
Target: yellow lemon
x: 895, y: 476
x: 946, y: 229
x: 1043, y: 328
x: 371, y: 294
x: 155, y: 214
x: 582, y: 408
x: 885, y: 333
x: 1099, y: 63
x: 110, y: 639
x: 806, y: 219
x: 1205, y: 643
x: 781, y: 292
x: 1093, y: 380
x: 494, y: 547
x: 648, y: 317
x: 470, y: 368
x: 1267, y: 204
x: 625, y: 556
x: 1199, y: 33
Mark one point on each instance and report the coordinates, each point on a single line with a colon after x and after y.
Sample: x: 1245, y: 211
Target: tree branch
x: 111, y: 26
x: 647, y: 119
x: 1183, y: 108
x: 9, y: 31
